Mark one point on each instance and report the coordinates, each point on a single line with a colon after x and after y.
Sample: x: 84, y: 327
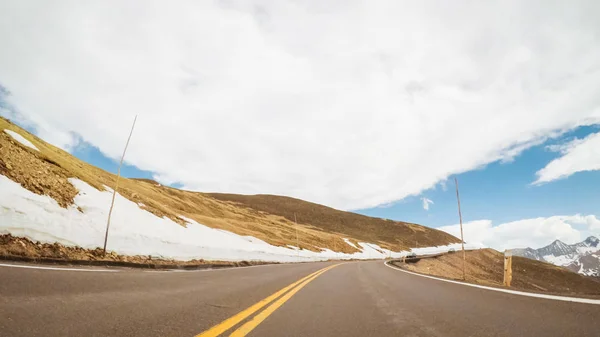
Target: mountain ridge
x: 581, y: 257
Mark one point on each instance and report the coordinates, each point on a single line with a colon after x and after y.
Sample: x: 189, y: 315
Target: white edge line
x: 56, y: 268
x: 211, y: 269
x: 144, y: 271
x: 514, y: 292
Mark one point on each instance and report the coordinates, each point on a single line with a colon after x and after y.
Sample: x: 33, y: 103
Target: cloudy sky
x: 371, y: 106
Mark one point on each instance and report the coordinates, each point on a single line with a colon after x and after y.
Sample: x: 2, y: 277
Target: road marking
x: 56, y: 268
x: 514, y: 292
x: 232, y: 321
x: 137, y: 269
x: 252, y: 324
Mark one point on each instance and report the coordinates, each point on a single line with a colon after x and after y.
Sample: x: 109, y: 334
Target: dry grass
x: 269, y: 219
x: 387, y: 233
x: 486, y: 267
x: 34, y: 171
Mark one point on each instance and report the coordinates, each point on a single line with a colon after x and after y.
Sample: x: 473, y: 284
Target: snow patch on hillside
x: 587, y: 250
x: 350, y: 243
x: 21, y: 139
x: 561, y: 260
x: 135, y: 231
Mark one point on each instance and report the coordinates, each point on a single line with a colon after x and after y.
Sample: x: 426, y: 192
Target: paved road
x: 352, y: 299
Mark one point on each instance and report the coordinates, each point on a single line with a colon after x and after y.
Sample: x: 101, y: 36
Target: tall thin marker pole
x: 462, y: 240
x: 112, y: 202
x: 297, y: 244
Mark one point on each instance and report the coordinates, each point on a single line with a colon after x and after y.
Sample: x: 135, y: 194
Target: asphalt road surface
x: 351, y: 299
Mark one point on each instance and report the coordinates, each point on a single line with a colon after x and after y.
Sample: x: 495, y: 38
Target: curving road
x: 351, y: 299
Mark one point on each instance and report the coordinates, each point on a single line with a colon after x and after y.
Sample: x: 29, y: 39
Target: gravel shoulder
x: 486, y: 267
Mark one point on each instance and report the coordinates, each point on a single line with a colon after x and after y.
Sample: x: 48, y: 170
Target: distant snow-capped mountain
x: 529, y: 253
x: 591, y: 242
x: 582, y: 257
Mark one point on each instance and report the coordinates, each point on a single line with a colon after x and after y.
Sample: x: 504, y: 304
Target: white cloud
x: 426, y: 203
x: 564, y: 148
x: 444, y: 185
x: 577, y: 156
x: 534, y: 233
x: 350, y: 104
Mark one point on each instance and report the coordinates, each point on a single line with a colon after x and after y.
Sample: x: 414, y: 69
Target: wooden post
x: 462, y: 240
x: 507, y: 268
x: 510, y: 270
x: 112, y: 202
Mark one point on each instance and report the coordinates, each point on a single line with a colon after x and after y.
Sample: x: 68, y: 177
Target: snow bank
x: 21, y: 139
x: 135, y: 231
x: 442, y: 249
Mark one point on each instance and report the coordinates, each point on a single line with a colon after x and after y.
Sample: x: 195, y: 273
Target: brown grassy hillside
x: 331, y: 220
x: 486, y: 267
x: 268, y: 218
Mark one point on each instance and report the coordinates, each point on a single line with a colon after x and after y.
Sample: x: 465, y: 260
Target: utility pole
x: 462, y: 240
x: 297, y: 244
x: 112, y: 203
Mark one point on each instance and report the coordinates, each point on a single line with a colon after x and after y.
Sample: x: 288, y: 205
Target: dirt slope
x: 268, y: 218
x: 486, y: 266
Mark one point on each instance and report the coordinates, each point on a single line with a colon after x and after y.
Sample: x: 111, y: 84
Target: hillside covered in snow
x: 47, y: 195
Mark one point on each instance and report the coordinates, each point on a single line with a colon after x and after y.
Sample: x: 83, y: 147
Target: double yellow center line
x: 278, y: 299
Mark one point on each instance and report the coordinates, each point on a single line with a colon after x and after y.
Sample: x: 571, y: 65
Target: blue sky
x: 91, y: 154
x: 503, y: 192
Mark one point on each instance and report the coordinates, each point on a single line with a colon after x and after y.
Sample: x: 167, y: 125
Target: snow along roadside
x: 135, y: 231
